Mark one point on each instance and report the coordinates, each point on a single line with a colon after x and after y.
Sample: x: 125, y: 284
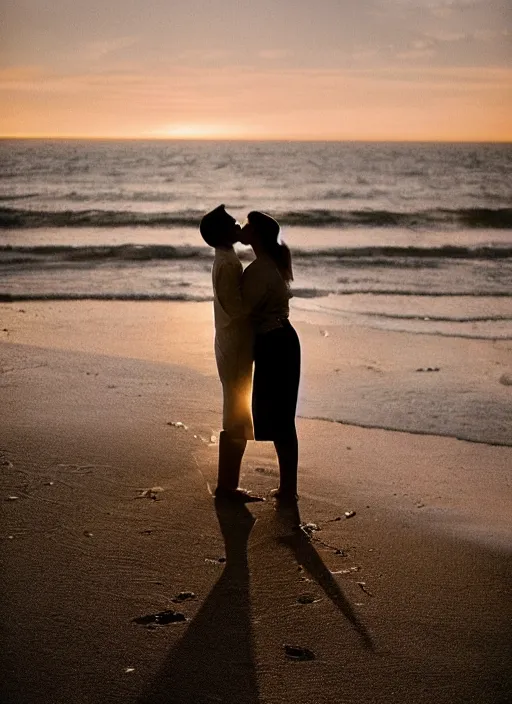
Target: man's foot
x: 284, y: 497
x: 237, y: 495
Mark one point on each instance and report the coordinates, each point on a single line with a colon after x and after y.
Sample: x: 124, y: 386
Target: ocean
x: 413, y: 237
x: 408, y: 237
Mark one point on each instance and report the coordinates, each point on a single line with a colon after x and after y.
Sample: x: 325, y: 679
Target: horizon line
x: 254, y: 139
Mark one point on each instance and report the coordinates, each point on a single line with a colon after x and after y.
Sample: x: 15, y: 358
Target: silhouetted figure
x: 266, y: 294
x: 233, y: 350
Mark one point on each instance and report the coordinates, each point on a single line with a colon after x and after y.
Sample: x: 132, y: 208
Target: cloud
x: 273, y: 54
x: 415, y: 54
x: 444, y: 36
x: 98, y: 50
x: 446, y: 8
x: 205, y: 55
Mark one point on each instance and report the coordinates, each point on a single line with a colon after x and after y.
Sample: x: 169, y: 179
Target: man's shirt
x: 233, y: 334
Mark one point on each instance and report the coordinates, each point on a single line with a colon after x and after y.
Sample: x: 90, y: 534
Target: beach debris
x: 362, y: 585
x: 128, y: 670
x: 269, y: 471
x: 163, y: 618
x: 324, y: 333
x: 12, y: 498
x: 308, y: 599
x: 309, y: 528
x: 341, y: 552
x: 177, y: 424
x: 183, y: 596
x: 506, y: 379
x: 347, y: 570
x: 420, y: 505
x: 349, y: 514
x: 151, y: 493
x: 295, y: 652
x: 49, y: 483
x: 428, y: 369
x: 88, y: 534
x: 5, y: 463
x: 213, y: 439
x: 217, y: 561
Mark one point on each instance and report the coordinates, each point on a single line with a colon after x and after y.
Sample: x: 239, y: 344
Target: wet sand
x: 407, y: 600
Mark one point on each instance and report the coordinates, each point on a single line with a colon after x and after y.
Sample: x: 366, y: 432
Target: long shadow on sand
x: 214, y: 661
x: 305, y: 554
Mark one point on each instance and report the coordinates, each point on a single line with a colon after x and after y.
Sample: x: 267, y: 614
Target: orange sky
x: 399, y: 70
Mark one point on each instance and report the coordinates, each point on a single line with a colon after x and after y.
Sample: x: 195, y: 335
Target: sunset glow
x: 401, y: 70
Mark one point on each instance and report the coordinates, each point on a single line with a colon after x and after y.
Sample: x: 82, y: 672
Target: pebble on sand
x: 151, y: 493
x: 295, y: 652
x: 163, y: 618
x: 177, y: 424
x: 183, y: 596
x: 308, y: 599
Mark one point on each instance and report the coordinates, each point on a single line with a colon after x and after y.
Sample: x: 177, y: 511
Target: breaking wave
x: 500, y: 218
x: 378, y: 256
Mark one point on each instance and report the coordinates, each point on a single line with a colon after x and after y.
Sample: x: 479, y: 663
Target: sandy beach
x: 110, y: 416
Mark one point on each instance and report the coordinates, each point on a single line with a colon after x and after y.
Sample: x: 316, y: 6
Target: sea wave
x: 378, y: 256
x: 499, y: 218
x: 444, y: 318
x: 19, y: 297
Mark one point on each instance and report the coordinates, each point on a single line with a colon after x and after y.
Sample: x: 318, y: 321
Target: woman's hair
x: 268, y: 231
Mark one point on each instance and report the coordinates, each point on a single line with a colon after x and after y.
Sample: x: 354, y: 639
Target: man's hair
x: 214, y: 225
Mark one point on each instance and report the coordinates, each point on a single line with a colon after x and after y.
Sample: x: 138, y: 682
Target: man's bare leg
x: 231, y: 452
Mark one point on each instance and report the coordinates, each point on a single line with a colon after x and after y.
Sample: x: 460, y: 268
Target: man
x: 233, y: 351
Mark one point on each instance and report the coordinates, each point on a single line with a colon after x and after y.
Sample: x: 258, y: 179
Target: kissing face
x: 246, y: 234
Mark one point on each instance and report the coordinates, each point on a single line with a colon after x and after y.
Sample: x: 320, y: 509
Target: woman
x: 266, y: 294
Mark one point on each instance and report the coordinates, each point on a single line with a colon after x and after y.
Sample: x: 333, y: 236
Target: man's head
x: 219, y: 229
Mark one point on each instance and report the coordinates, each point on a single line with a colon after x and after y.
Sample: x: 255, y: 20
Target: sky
x: 257, y: 69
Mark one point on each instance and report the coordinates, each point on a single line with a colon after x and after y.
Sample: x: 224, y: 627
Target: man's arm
x: 228, y: 287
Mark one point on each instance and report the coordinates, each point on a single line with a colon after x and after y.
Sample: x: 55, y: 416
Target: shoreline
x: 353, y: 375
x: 89, y: 429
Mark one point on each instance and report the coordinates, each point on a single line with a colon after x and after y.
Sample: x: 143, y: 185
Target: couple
x: 251, y: 311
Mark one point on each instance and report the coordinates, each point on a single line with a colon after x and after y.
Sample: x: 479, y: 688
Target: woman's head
x: 262, y: 232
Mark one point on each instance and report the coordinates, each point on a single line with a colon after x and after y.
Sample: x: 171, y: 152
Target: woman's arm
x: 254, y: 288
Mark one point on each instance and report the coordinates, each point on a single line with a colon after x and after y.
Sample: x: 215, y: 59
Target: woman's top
x: 265, y: 295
